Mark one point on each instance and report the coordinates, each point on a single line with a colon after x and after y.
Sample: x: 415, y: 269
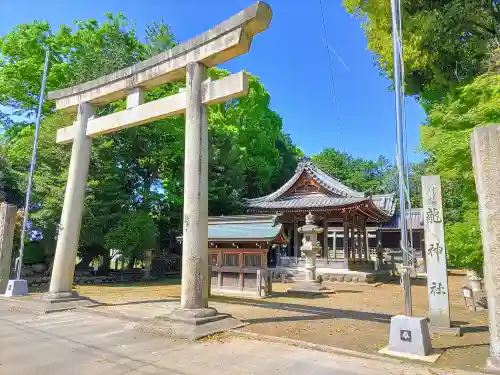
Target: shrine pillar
x: 365, y: 243
x: 334, y: 247
x: 325, y: 238
x: 346, y: 242
x: 353, y: 238
x: 295, y: 237
x: 380, y: 251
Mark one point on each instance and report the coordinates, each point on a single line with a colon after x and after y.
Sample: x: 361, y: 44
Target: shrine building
x: 356, y: 225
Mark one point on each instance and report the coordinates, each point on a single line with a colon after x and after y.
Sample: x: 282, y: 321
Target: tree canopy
x: 451, y: 53
x: 445, y: 42
x: 370, y: 176
x: 134, y: 195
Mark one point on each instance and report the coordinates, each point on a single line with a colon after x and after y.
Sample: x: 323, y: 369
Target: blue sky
x: 290, y: 58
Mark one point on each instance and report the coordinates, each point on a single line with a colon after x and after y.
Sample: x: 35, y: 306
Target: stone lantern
x: 310, y: 247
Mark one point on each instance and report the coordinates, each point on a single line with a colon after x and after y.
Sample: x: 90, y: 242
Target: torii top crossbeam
x: 221, y: 43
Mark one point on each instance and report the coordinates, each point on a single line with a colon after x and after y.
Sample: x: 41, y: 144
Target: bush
x: 463, y: 241
x: 33, y: 253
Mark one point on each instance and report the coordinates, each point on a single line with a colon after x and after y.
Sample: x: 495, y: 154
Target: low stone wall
x: 78, y: 280
x: 351, y: 277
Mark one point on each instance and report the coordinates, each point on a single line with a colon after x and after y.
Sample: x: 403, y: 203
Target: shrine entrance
x: 189, y: 60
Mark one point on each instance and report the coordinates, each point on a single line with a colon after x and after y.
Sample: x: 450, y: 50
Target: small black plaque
x: 405, y: 335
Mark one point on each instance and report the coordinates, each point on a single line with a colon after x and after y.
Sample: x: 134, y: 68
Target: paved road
x: 70, y: 343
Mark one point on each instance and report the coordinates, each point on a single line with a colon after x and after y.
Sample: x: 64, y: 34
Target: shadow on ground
x: 315, y: 312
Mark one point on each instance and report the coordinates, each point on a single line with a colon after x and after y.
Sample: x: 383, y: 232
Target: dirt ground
x: 355, y: 317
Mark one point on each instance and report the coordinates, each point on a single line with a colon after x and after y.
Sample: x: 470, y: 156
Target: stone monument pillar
x: 485, y: 147
x: 7, y: 225
x: 435, y: 253
x: 310, y: 247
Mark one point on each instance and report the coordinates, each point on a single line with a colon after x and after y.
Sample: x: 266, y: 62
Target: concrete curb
x: 312, y: 346
x: 350, y: 353
x: 348, y: 283
x: 40, y: 307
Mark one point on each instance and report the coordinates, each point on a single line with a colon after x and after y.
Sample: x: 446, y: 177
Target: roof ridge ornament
x: 303, y: 163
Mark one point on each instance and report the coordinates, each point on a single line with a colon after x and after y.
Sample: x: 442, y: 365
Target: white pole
x: 19, y: 263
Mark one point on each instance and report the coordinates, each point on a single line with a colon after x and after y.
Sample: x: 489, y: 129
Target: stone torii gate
x: 191, y: 59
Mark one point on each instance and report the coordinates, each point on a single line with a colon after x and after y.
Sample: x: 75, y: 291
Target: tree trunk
x: 85, y: 261
x: 131, y: 262
x: 106, y: 258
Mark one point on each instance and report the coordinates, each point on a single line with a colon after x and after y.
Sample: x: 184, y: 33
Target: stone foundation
x: 36, y: 281
x: 334, y: 275
x: 351, y: 277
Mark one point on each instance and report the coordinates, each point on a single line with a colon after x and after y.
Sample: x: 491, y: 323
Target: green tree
x: 446, y: 139
x: 136, y: 173
x: 451, y: 59
x: 132, y: 235
x: 445, y: 42
x: 357, y: 173
x: 370, y: 176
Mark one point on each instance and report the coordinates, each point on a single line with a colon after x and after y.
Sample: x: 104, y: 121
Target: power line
x: 332, y: 75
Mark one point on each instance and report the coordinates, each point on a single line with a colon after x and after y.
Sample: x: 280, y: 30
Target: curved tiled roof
x: 343, y: 195
x: 325, y: 180
x: 416, y: 220
x: 244, y: 228
x: 386, y: 202
x: 313, y: 201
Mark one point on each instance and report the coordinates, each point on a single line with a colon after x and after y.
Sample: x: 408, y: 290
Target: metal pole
x: 19, y: 263
x: 405, y: 153
x: 405, y: 275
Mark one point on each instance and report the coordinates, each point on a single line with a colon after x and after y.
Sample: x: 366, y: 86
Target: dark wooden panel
x: 213, y: 277
x: 250, y: 280
x: 231, y: 260
x: 231, y: 279
x: 253, y: 260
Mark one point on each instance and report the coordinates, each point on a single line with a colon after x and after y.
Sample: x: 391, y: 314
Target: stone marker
x: 485, y: 148
x: 7, y: 225
x: 435, y: 252
x: 190, y: 59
